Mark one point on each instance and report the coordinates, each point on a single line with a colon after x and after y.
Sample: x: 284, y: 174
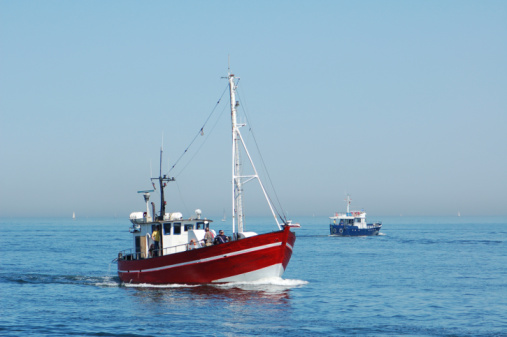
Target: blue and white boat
x: 352, y: 223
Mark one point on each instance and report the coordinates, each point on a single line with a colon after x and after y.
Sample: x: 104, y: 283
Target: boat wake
x: 273, y: 285
x: 98, y: 281
x: 163, y: 286
x: 276, y: 283
x: 268, y: 287
x: 266, y: 284
x: 107, y: 282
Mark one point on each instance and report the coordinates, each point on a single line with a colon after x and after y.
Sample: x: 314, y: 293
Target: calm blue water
x: 422, y: 277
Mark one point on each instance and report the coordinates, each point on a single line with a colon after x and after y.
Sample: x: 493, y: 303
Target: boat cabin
x: 176, y: 234
x: 350, y: 219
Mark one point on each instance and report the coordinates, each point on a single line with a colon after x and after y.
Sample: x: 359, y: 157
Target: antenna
x: 348, y: 200
x: 145, y: 191
x: 162, y: 180
x: 161, y: 151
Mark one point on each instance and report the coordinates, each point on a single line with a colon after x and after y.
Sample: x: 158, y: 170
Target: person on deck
x: 156, y: 239
x: 208, y: 237
x: 221, y: 238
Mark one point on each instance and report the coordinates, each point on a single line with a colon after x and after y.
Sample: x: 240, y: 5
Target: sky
x: 401, y: 104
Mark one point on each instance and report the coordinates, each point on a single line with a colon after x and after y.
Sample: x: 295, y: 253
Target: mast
x: 237, y: 177
x: 348, y: 203
x: 237, y: 189
x: 162, y: 180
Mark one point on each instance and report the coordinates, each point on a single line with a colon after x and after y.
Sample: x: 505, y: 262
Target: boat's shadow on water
x: 239, y: 294
x: 208, y: 295
x: 273, y: 291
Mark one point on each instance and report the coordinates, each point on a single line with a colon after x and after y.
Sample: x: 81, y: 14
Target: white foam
x: 148, y: 285
x: 110, y: 284
x: 107, y: 281
x: 270, y: 283
x: 278, y: 281
x: 274, y: 283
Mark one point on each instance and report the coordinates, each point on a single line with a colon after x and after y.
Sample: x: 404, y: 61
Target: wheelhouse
x: 176, y: 235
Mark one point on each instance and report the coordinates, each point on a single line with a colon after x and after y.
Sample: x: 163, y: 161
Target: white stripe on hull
x: 275, y: 270
x: 213, y: 258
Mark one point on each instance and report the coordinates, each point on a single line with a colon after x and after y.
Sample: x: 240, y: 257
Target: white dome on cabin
x: 175, y: 216
x: 139, y: 217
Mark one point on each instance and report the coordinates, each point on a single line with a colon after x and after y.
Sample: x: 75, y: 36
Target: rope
x: 201, y: 130
x: 202, y: 144
x: 182, y: 198
x: 282, y: 216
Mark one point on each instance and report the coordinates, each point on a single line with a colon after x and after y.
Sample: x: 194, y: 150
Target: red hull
x: 263, y: 255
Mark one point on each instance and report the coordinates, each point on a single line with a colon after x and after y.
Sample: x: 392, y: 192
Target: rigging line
x: 181, y: 198
x: 201, y: 130
x: 202, y: 144
x: 278, y: 205
x: 263, y: 163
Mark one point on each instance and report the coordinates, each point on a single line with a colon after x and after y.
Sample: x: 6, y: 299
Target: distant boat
x: 459, y: 214
x: 224, y: 218
x: 73, y: 215
x: 353, y: 223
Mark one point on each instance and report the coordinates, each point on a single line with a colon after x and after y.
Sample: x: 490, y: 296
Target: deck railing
x: 129, y: 254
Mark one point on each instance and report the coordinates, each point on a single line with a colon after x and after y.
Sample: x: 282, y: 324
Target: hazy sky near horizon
x: 401, y: 104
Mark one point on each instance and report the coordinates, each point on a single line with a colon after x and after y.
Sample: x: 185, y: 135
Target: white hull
x: 271, y: 271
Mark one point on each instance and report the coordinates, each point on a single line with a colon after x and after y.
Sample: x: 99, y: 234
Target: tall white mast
x: 237, y: 189
x: 237, y: 177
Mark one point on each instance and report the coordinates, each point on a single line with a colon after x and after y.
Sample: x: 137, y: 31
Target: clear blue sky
x: 401, y: 104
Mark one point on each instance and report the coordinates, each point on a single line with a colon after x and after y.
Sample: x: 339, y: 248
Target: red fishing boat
x: 168, y: 248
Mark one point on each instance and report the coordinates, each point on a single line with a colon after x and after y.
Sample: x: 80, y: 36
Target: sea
x: 423, y: 276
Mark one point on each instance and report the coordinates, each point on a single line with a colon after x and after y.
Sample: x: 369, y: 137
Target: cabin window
x: 138, y: 244
x: 167, y: 229
x: 189, y: 227
x: 358, y: 219
x: 177, y: 228
x: 200, y: 225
